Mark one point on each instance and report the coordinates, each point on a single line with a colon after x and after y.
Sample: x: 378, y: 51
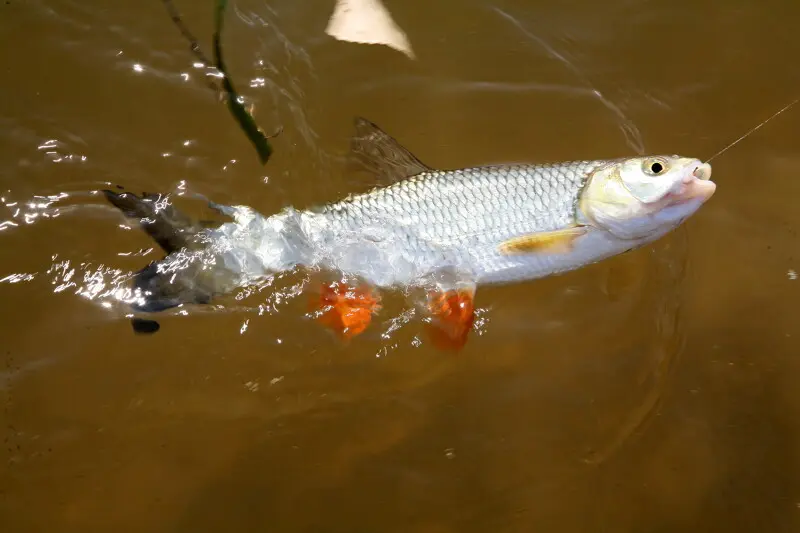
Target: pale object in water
x: 367, y: 22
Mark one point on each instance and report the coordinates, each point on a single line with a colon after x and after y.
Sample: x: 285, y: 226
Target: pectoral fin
x: 558, y: 241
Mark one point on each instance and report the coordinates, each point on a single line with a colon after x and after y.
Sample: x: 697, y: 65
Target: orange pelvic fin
x: 347, y: 310
x: 452, y: 316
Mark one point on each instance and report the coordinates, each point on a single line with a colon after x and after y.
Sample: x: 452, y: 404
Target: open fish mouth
x: 695, y: 186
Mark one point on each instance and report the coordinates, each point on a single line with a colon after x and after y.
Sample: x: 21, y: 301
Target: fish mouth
x: 696, y: 185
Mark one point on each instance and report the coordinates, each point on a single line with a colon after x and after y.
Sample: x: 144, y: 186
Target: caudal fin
x: 170, y: 228
x: 160, y: 286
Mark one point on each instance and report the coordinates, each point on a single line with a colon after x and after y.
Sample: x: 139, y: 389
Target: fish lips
x: 696, y: 185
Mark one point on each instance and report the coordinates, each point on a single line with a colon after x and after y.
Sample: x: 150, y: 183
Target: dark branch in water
x: 246, y: 121
x: 194, y: 45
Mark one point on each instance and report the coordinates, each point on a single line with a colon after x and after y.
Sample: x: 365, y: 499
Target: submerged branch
x: 235, y: 102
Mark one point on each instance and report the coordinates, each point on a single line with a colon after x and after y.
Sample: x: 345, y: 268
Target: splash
x: 106, y: 285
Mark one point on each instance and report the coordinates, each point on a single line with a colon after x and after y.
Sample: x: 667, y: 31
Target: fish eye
x: 654, y: 167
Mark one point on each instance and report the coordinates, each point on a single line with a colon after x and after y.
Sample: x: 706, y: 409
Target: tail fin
x: 170, y: 228
x: 173, y: 231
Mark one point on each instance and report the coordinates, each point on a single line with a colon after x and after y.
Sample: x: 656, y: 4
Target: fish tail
x: 160, y: 285
x: 203, y: 262
x: 161, y: 291
x: 170, y: 228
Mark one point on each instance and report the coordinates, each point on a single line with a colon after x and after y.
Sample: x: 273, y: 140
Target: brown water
x: 652, y: 392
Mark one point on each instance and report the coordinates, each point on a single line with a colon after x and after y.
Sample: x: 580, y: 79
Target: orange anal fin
x: 452, y: 317
x: 346, y: 310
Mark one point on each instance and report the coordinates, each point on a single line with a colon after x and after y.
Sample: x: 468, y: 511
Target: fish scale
x: 450, y: 219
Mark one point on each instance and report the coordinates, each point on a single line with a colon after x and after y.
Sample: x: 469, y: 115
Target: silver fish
x: 443, y: 230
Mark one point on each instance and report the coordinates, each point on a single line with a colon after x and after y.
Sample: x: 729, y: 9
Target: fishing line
x: 743, y: 137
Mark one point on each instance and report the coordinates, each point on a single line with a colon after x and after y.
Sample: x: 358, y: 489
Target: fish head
x: 645, y: 197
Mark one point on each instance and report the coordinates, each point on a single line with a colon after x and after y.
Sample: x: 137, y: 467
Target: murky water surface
x: 652, y: 392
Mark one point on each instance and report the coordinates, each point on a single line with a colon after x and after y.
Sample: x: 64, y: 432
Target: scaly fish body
x: 450, y: 230
x: 401, y: 234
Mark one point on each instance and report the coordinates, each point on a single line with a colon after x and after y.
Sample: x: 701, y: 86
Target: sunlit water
x: 652, y: 392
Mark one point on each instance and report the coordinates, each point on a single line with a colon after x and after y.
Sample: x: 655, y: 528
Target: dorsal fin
x: 378, y: 153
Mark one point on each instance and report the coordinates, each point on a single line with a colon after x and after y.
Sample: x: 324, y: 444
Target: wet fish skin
x: 454, y: 218
x: 447, y: 227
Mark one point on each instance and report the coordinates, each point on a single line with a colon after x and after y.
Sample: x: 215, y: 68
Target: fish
x: 432, y: 232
